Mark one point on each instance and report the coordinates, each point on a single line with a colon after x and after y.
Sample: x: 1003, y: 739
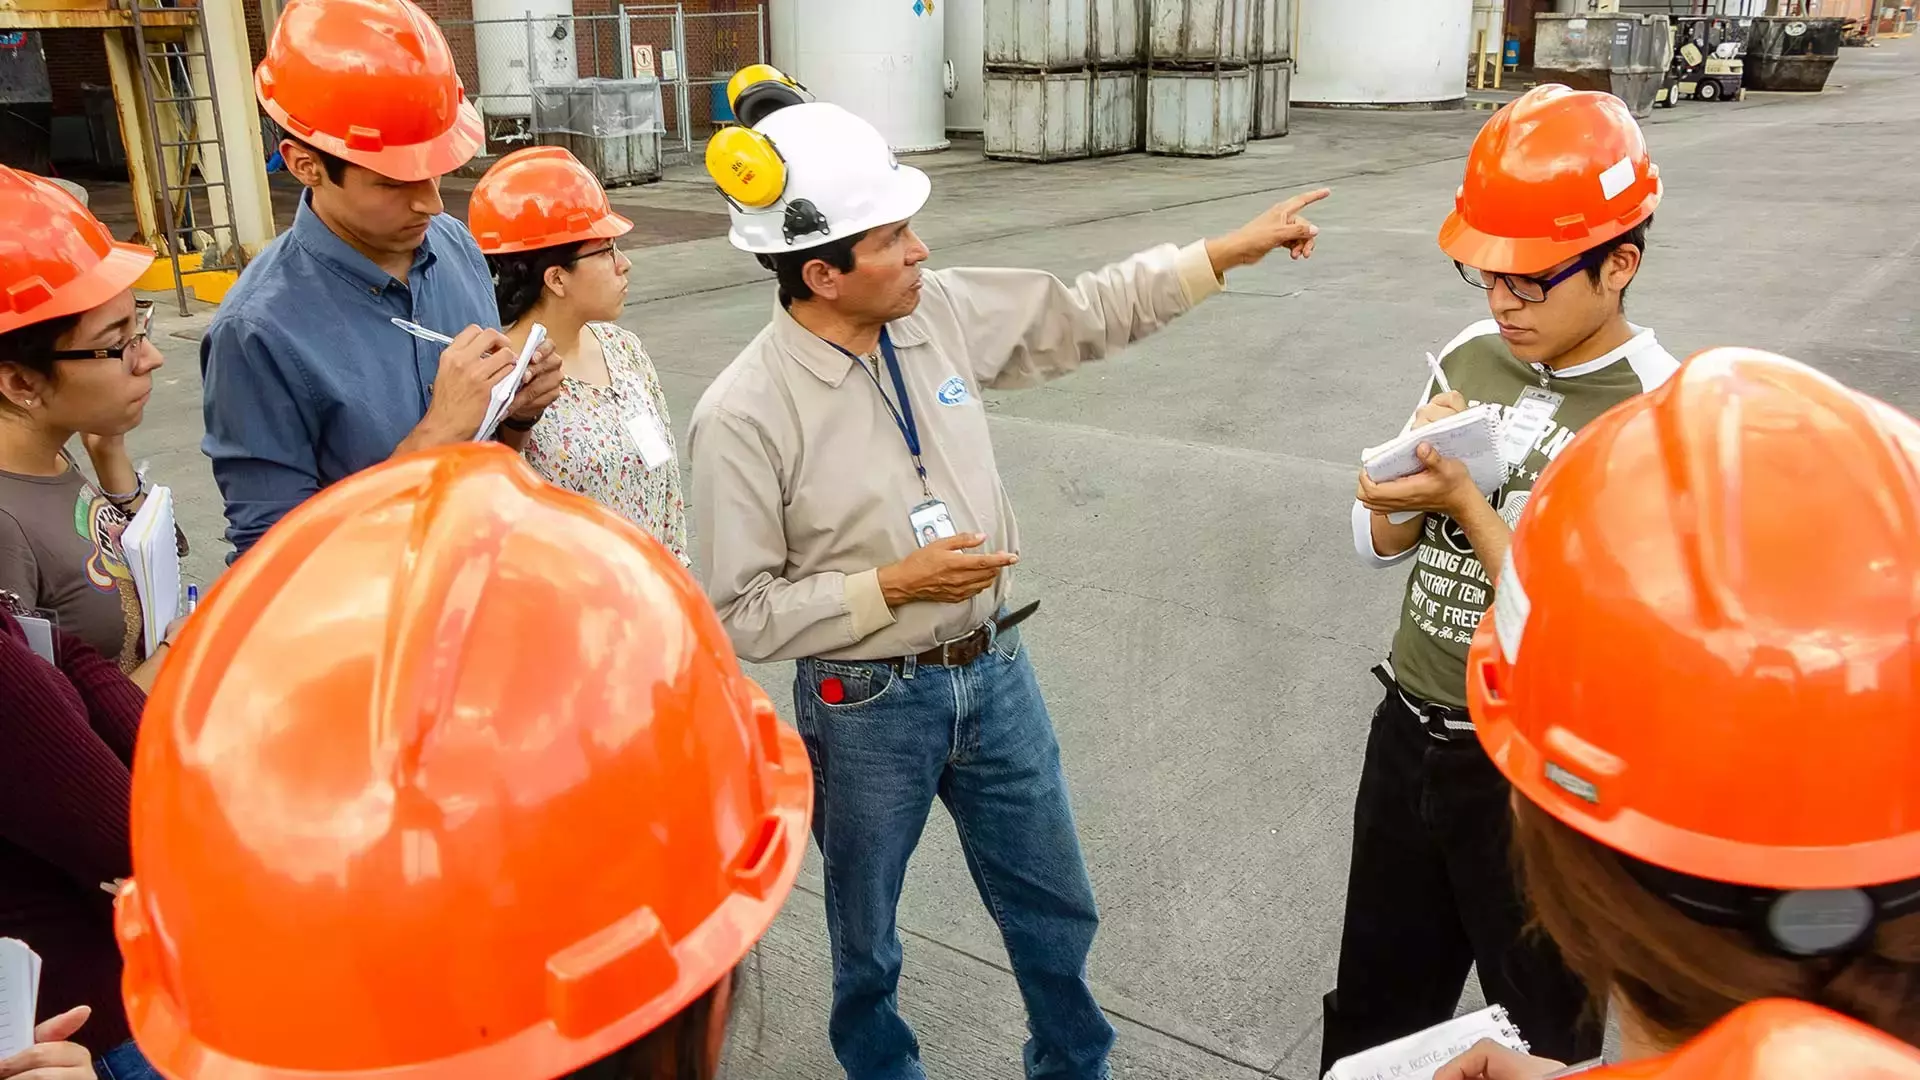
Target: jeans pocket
x: 1006, y: 644
x: 840, y: 687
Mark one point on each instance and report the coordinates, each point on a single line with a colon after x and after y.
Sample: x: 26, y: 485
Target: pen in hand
x: 1439, y: 376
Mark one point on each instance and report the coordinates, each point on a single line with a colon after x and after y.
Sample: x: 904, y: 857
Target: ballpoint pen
x: 421, y: 332
x: 1438, y: 375
x: 193, y: 598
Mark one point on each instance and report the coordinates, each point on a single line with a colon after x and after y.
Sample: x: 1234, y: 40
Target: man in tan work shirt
x: 825, y: 455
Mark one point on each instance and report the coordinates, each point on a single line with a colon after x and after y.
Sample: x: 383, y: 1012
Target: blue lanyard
x: 903, y: 415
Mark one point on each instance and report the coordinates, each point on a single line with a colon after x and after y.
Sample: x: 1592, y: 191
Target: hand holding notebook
x: 1471, y: 438
x: 1420, y: 1055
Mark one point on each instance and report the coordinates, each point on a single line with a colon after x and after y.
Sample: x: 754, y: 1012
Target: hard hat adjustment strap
x: 1797, y: 923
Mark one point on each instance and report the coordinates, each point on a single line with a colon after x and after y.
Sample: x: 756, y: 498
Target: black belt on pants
x: 1442, y: 723
x: 971, y: 646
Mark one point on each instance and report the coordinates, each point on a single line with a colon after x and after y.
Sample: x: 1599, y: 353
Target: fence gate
x: 694, y: 53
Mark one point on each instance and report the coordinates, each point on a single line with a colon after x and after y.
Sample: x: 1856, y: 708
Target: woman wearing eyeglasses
x: 548, y: 232
x: 74, y: 360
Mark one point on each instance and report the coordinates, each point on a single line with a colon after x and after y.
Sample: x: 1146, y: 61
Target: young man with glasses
x: 307, y: 376
x: 1551, y: 223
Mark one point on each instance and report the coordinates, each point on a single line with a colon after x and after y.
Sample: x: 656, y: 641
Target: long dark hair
x: 520, y: 278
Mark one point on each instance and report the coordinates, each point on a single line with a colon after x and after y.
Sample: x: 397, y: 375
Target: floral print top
x: 581, y: 442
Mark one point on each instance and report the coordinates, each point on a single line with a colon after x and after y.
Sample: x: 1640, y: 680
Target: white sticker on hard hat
x: 1510, y: 610
x: 1573, y: 785
x: 1617, y: 178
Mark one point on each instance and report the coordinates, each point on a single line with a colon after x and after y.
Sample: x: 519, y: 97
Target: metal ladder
x: 167, y: 78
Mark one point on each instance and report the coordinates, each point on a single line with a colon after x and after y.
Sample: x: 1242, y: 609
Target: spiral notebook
x: 19, y: 994
x: 1420, y: 1055
x: 1472, y: 437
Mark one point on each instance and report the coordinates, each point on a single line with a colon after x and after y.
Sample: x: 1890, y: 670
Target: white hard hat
x: 829, y: 175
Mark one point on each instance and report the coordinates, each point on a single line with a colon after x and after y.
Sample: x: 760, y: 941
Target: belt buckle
x: 1433, y: 719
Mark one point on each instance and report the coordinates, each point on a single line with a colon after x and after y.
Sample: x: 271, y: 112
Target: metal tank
x: 966, y: 25
x: 884, y: 60
x: 1382, y: 53
x: 513, y: 51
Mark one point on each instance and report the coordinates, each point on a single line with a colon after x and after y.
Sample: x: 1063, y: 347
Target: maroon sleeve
x: 63, y: 791
x: 112, y: 700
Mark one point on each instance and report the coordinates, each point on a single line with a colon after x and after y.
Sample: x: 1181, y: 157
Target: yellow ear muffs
x: 746, y: 167
x: 754, y: 73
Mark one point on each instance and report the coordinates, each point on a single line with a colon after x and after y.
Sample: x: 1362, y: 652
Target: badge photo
x: 931, y: 522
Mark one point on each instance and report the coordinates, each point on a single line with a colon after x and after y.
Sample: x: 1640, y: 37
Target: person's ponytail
x: 520, y: 278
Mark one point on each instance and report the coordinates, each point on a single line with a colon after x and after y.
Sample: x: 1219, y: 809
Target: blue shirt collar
x: 320, y: 241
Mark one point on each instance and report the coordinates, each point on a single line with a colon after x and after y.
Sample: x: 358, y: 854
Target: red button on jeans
x: 832, y: 691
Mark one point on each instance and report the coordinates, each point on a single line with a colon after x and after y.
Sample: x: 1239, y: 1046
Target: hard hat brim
x: 410, y: 163
x: 113, y: 275
x: 904, y: 198
x: 1625, y: 830
x: 606, y: 228
x: 1504, y: 254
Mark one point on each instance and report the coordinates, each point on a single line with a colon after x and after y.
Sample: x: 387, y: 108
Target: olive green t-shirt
x: 1448, y: 591
x: 60, y: 552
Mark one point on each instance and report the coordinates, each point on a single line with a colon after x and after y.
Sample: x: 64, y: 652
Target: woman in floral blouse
x: 548, y: 233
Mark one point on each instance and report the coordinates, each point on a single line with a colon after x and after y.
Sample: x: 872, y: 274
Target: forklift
x: 1707, y: 64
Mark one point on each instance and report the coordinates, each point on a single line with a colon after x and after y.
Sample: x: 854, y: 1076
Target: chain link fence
x: 691, y: 53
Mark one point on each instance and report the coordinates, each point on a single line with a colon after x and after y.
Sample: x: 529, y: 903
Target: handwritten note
x: 19, y: 993
x: 1420, y: 1055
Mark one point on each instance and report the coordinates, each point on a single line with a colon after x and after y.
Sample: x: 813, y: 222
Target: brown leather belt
x: 962, y: 651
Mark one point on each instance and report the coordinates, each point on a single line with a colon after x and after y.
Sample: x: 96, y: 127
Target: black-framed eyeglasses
x: 1531, y: 289
x: 142, y: 323
x: 595, y: 253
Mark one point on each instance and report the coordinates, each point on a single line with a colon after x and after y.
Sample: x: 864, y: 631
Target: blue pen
x: 193, y: 598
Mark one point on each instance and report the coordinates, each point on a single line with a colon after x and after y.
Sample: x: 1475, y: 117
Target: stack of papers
x: 1420, y: 1055
x: 509, y: 385
x: 154, y: 558
x: 19, y: 995
x: 1472, y: 437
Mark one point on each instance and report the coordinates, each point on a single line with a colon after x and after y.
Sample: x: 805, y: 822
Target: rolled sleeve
x: 261, y: 429
x: 1363, y: 542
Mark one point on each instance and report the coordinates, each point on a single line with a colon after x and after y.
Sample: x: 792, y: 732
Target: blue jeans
x: 124, y: 1062
x: 978, y: 737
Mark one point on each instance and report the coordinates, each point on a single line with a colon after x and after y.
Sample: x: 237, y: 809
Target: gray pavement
x: 1206, y: 632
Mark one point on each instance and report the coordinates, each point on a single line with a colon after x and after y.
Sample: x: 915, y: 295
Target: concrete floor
x: 1206, y: 631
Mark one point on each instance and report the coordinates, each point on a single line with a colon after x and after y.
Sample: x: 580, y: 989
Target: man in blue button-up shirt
x: 307, y: 378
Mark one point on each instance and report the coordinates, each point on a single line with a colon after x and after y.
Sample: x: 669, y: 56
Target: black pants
x: 1430, y: 892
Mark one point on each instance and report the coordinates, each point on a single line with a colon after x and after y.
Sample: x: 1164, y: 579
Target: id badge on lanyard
x: 929, y: 520
x: 1526, y: 421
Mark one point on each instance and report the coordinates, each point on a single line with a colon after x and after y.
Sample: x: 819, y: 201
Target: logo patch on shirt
x: 953, y: 391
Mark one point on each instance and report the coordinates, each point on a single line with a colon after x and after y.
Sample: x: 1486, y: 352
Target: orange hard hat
x: 1704, y: 650
x: 453, y: 776
x: 540, y: 197
x: 56, y: 258
x: 1779, y: 1039
x: 371, y: 82
x: 1553, y: 174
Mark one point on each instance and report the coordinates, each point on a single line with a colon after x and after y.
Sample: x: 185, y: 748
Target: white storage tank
x: 1381, y: 53
x: 500, y: 36
x: 966, y: 32
x: 884, y: 60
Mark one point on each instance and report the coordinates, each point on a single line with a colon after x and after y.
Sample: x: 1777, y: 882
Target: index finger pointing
x: 1304, y: 199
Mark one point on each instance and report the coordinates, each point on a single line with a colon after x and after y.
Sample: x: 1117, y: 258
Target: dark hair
x: 787, y: 265
x: 335, y: 168
x: 1637, y: 236
x: 676, y: 1050
x: 519, y: 278
x: 1678, y: 975
x: 31, y: 346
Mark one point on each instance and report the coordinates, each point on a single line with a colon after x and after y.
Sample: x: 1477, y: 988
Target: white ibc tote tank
x: 1382, y: 52
x: 882, y: 59
x: 500, y: 48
